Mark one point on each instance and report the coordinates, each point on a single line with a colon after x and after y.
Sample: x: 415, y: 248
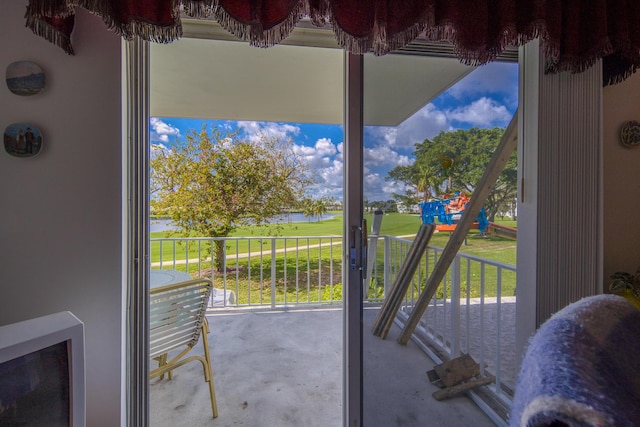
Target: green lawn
x: 318, y: 276
x: 393, y: 224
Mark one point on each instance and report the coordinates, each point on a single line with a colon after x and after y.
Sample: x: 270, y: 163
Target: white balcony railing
x: 260, y: 271
x: 468, y: 313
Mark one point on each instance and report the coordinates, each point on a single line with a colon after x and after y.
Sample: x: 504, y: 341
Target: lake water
x: 165, y: 224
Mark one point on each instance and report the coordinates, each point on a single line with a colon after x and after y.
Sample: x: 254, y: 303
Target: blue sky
x: 487, y: 97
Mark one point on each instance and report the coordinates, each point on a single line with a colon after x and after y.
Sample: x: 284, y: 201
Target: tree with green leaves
x: 455, y: 161
x: 422, y: 180
x: 315, y: 207
x: 377, y: 205
x: 320, y: 207
x: 213, y: 183
x: 306, y: 207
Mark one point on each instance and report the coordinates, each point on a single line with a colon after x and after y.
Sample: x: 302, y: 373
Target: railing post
x: 224, y: 265
x: 273, y: 272
x: 455, y: 307
x: 372, y: 251
x: 186, y: 255
x: 387, y: 265
x: 498, y: 331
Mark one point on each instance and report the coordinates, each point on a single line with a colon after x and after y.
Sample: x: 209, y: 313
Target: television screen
x: 35, y: 389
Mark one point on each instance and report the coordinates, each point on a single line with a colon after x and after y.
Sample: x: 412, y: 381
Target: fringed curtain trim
x: 55, y: 30
x: 575, y: 34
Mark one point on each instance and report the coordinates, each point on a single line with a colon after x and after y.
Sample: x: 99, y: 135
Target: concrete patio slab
x: 284, y: 368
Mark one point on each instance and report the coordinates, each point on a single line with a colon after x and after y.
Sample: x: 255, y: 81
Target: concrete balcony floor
x: 284, y: 368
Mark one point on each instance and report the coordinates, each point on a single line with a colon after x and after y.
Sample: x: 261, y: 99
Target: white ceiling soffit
x: 223, y: 80
x: 205, y: 76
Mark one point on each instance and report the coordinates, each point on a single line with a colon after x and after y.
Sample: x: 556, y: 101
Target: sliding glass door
x: 276, y: 316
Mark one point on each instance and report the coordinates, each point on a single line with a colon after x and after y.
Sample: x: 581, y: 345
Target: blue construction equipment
x: 448, y: 212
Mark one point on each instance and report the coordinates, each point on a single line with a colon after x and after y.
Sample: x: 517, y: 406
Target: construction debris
x: 457, y: 376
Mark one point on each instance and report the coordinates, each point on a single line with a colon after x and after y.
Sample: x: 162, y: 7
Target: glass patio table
x: 158, y: 278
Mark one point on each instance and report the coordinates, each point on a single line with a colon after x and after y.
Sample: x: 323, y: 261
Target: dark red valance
x: 574, y: 33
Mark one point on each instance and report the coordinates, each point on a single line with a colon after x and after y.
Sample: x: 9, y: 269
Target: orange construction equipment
x: 448, y: 212
x: 502, y: 231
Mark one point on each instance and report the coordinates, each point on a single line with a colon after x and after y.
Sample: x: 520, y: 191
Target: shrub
x: 332, y: 293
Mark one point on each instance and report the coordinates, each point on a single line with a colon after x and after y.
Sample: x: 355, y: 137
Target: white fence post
x: 273, y: 273
x: 372, y: 251
x: 498, y: 375
x: 455, y: 307
x: 387, y: 265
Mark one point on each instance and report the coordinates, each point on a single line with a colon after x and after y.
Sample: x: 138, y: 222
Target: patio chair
x: 177, y: 320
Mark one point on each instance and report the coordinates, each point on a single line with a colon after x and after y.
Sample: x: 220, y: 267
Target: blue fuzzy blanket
x: 582, y: 368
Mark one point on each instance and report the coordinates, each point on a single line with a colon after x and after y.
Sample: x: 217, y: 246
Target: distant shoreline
x: 159, y: 223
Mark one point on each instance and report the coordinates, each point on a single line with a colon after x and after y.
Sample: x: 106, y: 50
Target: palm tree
x: 319, y: 208
x: 427, y: 182
x: 307, y: 207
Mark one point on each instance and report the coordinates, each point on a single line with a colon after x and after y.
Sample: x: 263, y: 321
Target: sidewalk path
x: 252, y: 253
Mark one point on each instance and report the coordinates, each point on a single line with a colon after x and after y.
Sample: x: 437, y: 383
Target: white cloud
x: 329, y: 181
x: 383, y: 155
x: 376, y: 188
x: 483, y: 112
x: 157, y: 149
x: 332, y: 175
x: 391, y: 188
x: 318, y: 155
x: 492, y: 78
x: 424, y: 124
x: 255, y: 130
x: 373, y: 184
x: 324, y: 160
x: 161, y: 131
x: 325, y: 147
x: 226, y: 126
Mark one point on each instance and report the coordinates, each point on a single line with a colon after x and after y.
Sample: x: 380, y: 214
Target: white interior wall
x: 621, y: 103
x: 60, y: 222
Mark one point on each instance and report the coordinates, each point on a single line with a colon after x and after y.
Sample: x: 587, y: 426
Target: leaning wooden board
x: 488, y: 180
x: 392, y: 303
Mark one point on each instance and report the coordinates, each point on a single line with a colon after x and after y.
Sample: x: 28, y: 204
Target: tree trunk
x: 219, y: 255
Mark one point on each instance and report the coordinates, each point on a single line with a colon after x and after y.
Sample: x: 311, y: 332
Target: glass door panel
x: 417, y: 109
x: 261, y: 219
